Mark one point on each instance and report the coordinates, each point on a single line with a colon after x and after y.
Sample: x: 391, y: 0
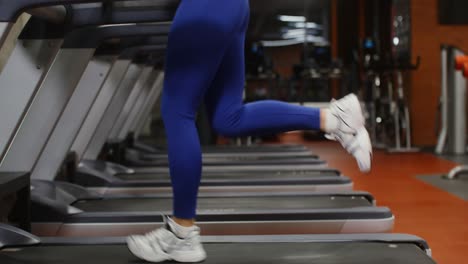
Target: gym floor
x: 420, y: 209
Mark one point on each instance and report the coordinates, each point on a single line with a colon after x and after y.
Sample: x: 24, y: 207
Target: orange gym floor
x: 420, y: 209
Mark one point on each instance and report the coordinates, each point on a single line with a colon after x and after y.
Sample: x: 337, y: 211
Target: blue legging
x: 205, y: 62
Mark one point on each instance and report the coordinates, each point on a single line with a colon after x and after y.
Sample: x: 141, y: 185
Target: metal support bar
x: 442, y: 139
x: 105, y: 96
x: 153, y: 97
x: 100, y: 134
x: 138, y: 104
x: 47, y: 106
x: 456, y: 105
x: 71, y: 119
x: 32, y: 58
x: 130, y: 102
x: 127, y: 52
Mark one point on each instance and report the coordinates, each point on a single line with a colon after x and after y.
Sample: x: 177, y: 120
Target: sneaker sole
x: 193, y: 258
x: 135, y: 250
x: 365, y: 145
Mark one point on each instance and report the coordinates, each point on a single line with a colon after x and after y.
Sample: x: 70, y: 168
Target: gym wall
x: 285, y: 58
x: 427, y: 36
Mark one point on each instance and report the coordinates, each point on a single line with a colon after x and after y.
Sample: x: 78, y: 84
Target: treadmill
x: 63, y: 209
x: 224, y: 153
x: 36, y: 147
x: 132, y: 158
x: 43, y: 100
x: 13, y: 242
x: 134, y: 111
x: 131, y: 112
x: 20, y: 247
x: 267, y: 150
x: 93, y: 135
x: 104, y: 179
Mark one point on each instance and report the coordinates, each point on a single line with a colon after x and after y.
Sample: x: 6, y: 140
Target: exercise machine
x: 452, y: 135
x: 19, y: 247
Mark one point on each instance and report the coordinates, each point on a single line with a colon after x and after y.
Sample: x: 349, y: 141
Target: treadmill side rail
x: 267, y: 239
x: 382, y: 238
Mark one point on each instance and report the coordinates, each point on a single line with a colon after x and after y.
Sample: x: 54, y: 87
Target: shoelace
x: 337, y: 135
x: 336, y: 108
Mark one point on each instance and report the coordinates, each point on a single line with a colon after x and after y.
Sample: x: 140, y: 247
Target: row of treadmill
x: 83, y: 78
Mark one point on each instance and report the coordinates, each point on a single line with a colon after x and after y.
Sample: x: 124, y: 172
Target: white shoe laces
x: 339, y: 111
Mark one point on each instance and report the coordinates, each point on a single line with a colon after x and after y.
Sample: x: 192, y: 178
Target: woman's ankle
x: 328, y: 122
x: 184, y: 222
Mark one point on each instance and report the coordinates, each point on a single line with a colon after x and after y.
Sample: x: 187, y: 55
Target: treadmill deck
x: 233, y: 253
x: 230, y: 176
x: 231, y: 204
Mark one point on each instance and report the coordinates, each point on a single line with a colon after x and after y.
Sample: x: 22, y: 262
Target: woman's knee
x: 227, y: 123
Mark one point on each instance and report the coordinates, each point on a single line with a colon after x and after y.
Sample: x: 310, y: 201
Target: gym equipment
x: 314, y: 73
x: 401, y: 114
x: 320, y: 249
x: 15, y: 199
x: 101, y: 179
x: 106, y: 177
x: 358, y: 249
x: 229, y: 150
x: 123, y: 125
x: 20, y: 155
x: 69, y: 210
x: 133, y: 159
x: 48, y: 152
x: 390, y: 120
x: 452, y: 135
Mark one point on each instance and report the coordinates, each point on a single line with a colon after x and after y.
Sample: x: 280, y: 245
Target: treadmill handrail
x: 94, y: 16
x: 92, y: 37
x: 11, y: 10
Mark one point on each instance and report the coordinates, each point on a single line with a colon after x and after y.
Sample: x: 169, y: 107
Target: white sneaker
x: 163, y: 245
x: 351, y: 131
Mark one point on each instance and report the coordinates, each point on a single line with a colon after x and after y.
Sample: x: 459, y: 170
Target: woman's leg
x: 201, y: 32
x: 230, y: 117
x: 200, y: 35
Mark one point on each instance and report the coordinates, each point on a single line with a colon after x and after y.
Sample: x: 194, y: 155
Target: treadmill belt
x: 248, y: 162
x: 224, y: 176
x: 225, y: 203
x: 259, y: 148
x: 289, y: 168
x: 235, y: 253
x: 239, y: 158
